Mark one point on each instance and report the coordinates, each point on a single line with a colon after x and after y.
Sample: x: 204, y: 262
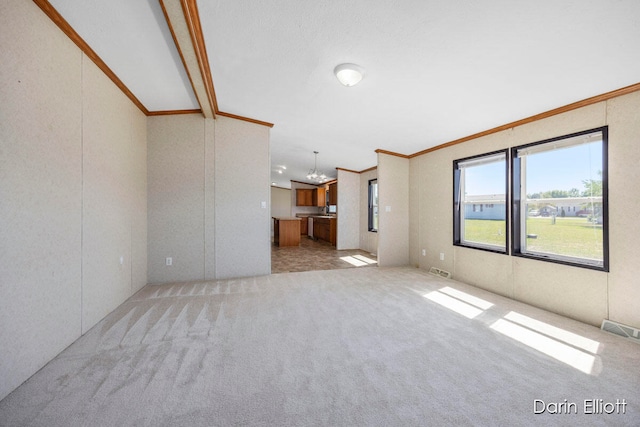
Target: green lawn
x: 575, y: 237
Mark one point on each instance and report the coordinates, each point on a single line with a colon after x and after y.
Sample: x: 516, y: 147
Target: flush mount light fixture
x: 349, y: 74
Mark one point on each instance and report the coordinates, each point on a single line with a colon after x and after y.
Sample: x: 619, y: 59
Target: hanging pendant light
x: 314, y: 174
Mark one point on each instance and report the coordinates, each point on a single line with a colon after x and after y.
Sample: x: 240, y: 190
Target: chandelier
x: 314, y: 174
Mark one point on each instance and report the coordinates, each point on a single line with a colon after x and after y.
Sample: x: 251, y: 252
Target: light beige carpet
x: 355, y: 347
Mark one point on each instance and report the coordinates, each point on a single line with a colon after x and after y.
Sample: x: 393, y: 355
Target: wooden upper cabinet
x: 304, y: 197
x: 320, y: 196
x: 310, y: 196
x: 333, y: 193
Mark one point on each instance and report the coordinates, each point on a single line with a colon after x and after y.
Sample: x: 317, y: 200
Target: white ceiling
x: 436, y: 70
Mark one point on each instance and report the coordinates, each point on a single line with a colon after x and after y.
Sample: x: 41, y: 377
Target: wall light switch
x: 121, y: 260
x: 387, y: 208
x: 263, y: 205
x: 169, y: 261
x: 424, y: 252
x: 441, y: 256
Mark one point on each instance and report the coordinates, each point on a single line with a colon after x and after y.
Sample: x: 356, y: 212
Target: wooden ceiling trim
x: 369, y: 169
x: 57, y: 19
x: 246, y: 119
x: 173, y: 112
x: 182, y: 58
x: 192, y: 17
x: 579, y: 104
x: 347, y: 170
x: 308, y: 183
x: 391, y: 153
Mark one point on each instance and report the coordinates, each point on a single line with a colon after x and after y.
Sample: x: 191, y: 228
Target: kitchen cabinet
x: 304, y: 225
x: 320, y: 196
x: 310, y: 197
x: 324, y: 228
x: 333, y: 193
x: 304, y: 197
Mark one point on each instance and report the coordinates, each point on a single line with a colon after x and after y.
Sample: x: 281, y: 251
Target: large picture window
x: 560, y: 200
x: 373, y: 205
x: 480, y: 203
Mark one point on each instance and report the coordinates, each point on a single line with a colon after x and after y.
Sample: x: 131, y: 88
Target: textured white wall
x: 72, y: 154
x: 623, y: 117
x: 207, y: 180
x: 348, y: 210
x: 112, y: 163
x: 280, y: 203
x: 586, y: 295
x: 242, y: 172
x: 368, y: 239
x: 176, y: 182
x: 393, y: 219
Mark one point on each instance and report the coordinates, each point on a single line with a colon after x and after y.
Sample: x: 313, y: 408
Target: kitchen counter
x: 324, y: 228
x: 286, y: 231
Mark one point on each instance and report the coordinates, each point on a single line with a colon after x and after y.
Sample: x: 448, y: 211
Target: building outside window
x: 560, y: 200
x: 373, y: 205
x: 480, y: 203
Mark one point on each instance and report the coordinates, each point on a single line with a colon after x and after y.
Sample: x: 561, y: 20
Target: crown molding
x: 347, y: 170
x: 174, y: 112
x: 391, y: 153
x: 579, y: 104
x: 57, y: 19
x: 369, y: 169
x: 246, y: 119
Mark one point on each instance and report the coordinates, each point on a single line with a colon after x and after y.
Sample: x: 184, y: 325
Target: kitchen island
x: 286, y: 231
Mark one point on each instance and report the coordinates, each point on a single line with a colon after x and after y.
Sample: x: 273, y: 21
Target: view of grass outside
x: 485, y: 231
x: 574, y: 237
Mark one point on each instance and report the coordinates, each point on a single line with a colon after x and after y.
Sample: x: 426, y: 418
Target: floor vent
x: 438, y: 272
x: 622, y: 330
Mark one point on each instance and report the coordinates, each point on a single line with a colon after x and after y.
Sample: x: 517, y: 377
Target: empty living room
x: 478, y: 151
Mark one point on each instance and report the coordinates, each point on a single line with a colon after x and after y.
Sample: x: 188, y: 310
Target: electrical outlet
x: 441, y: 256
x: 169, y: 261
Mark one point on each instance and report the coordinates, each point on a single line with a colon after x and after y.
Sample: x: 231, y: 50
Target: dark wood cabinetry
x: 325, y: 229
x: 333, y: 193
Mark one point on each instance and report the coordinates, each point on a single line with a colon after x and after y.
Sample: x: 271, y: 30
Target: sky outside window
x: 564, y: 168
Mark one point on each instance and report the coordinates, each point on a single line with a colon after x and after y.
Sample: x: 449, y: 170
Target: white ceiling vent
x: 441, y: 273
x: 622, y: 330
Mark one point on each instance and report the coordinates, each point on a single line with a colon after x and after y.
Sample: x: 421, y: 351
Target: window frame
x: 371, y: 205
x: 457, y: 205
x: 516, y: 206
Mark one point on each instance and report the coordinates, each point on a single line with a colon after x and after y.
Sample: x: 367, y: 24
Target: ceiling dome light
x: 349, y: 74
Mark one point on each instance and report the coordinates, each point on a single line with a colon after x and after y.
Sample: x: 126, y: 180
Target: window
x: 547, y: 177
x: 373, y: 205
x: 481, y: 181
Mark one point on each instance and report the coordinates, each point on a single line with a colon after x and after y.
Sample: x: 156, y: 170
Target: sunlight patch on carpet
x: 470, y: 299
x: 358, y: 260
x: 558, y: 350
x: 453, y: 304
x: 560, y: 334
